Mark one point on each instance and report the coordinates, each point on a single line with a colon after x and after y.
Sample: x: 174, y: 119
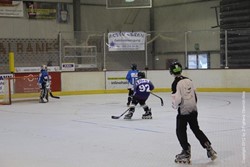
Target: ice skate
x: 210, y: 152
x: 42, y: 100
x: 47, y: 97
x: 147, y: 115
x: 184, y: 157
x: 42, y: 97
x: 129, y: 115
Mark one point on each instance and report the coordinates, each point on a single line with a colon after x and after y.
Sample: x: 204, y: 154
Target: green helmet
x: 175, y: 68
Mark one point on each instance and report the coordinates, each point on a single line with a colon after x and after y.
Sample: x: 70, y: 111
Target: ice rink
x: 77, y: 131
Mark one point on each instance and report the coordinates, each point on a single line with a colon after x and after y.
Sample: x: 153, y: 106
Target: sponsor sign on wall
x: 9, y: 8
x: 68, y: 66
x: 41, y: 10
x: 62, y: 13
x: 31, y: 84
x: 2, y: 76
x: 126, y: 41
x: 26, y: 85
x: 116, y: 80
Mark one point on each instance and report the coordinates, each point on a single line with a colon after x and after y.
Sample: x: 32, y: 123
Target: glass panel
x: 192, y: 61
x: 203, y: 61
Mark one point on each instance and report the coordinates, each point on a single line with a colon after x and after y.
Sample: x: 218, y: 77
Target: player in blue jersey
x: 131, y: 78
x: 43, y: 81
x: 142, y: 89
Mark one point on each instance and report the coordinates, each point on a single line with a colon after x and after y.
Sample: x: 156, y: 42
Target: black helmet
x: 141, y: 75
x: 175, y: 68
x: 133, y: 66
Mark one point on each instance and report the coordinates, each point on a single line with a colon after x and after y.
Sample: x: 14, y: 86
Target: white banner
x: 2, y: 76
x: 12, y: 10
x: 126, y: 41
x: 35, y: 69
x: 68, y: 67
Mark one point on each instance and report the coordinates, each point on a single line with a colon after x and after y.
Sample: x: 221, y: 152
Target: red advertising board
x: 29, y: 84
x: 5, y: 2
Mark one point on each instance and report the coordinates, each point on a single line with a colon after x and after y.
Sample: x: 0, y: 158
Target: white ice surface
x: 77, y: 131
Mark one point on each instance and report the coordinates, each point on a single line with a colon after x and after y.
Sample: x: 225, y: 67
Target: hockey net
x: 16, y: 89
x: 82, y: 56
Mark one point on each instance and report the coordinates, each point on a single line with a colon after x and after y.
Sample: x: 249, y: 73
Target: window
x: 198, y: 61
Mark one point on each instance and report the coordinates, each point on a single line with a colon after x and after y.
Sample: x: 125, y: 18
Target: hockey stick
x: 51, y: 95
x: 117, y: 117
x: 158, y: 97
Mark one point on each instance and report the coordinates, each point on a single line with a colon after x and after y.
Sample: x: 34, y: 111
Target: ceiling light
x: 129, y: 0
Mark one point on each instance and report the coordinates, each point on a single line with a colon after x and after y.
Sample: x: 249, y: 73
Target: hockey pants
x: 181, y: 130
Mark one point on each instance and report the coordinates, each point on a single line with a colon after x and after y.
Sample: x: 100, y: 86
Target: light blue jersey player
x: 142, y: 89
x: 131, y: 77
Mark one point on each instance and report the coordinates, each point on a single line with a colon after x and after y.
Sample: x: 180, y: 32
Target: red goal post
x: 20, y: 89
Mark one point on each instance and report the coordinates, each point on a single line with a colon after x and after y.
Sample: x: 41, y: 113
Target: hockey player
x: 131, y: 78
x: 142, y: 90
x: 43, y: 82
x: 184, y: 99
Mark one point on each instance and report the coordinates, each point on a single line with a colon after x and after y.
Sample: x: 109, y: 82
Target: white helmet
x: 44, y: 67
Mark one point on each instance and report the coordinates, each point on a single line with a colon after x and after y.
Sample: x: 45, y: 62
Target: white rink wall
x: 77, y: 81
x: 205, y: 80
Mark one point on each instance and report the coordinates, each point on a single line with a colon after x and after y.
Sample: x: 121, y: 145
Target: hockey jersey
x: 142, y: 88
x: 43, y: 77
x: 131, y: 77
x: 183, y: 95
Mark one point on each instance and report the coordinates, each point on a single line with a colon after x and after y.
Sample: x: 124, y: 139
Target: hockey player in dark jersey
x: 184, y: 99
x: 131, y: 78
x: 142, y: 90
x: 43, y: 81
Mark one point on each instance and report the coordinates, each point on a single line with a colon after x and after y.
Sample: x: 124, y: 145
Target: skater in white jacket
x: 184, y: 99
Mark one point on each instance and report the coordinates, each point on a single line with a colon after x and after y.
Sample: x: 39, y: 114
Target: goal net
x: 82, y: 56
x: 20, y: 89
